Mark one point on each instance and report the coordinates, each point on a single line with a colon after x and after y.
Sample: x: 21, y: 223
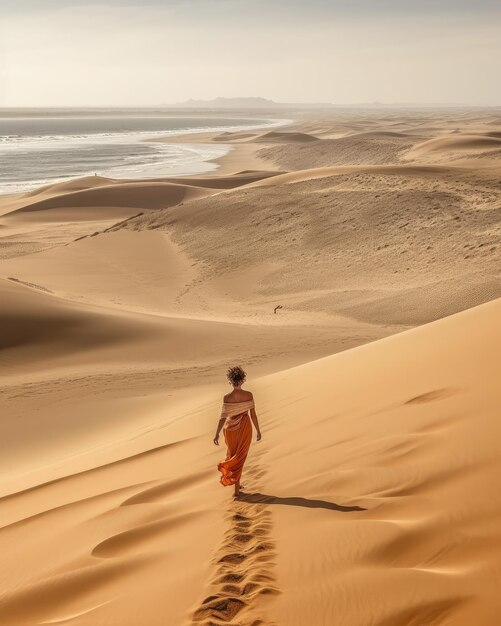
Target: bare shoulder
x: 241, y: 396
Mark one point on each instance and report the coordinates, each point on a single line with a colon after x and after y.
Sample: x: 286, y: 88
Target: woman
x: 237, y: 428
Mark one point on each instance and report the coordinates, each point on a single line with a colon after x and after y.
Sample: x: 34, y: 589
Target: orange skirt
x: 238, y: 443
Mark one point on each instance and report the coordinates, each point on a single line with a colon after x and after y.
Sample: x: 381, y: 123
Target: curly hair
x: 236, y: 375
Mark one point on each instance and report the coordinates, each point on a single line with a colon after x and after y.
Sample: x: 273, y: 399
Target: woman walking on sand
x: 237, y: 428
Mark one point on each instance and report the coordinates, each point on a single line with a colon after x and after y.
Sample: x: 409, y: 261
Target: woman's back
x: 238, y: 395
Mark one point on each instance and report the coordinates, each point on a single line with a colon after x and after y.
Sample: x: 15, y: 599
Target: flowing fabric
x: 237, y: 431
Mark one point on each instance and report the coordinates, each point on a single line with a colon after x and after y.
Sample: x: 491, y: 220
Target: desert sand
x: 373, y: 497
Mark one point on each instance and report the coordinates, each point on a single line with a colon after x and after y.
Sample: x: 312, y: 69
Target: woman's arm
x: 256, y: 423
x: 220, y: 424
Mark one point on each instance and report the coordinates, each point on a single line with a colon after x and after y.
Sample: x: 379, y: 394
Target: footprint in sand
x: 430, y: 396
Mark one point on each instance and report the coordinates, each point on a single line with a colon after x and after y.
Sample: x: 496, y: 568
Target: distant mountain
x: 229, y: 103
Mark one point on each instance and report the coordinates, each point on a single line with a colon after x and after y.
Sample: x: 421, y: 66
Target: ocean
x: 41, y: 148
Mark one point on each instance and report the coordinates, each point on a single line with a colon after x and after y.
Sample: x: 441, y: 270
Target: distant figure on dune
x: 237, y: 428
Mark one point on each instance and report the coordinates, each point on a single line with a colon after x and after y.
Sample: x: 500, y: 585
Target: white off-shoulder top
x: 234, y: 412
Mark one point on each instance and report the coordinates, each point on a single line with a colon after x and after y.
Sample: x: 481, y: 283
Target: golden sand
x: 373, y: 497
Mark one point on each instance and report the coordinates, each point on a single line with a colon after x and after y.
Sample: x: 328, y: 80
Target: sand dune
x: 416, y: 452
x: 413, y: 242
x: 125, y: 195
x: 230, y: 181
x: 37, y: 326
x: 42, y: 325
x: 86, y: 206
x: 364, y: 148
x: 234, y: 136
x: 272, y: 136
x: 380, y: 134
x: 92, y: 191
x: 456, y: 145
x: 389, y: 470
x: 285, y: 136
x: 373, y: 497
x: 145, y: 273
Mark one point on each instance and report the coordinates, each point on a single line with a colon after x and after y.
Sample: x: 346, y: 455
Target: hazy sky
x: 126, y: 52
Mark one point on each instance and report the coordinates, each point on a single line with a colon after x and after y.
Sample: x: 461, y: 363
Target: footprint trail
x: 244, y: 579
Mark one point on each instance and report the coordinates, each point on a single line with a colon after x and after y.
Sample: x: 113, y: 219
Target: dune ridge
x: 126, y: 195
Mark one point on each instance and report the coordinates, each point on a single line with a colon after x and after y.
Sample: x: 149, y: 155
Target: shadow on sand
x: 262, y: 498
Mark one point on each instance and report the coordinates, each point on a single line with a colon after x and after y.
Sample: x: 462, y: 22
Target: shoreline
x: 202, y: 137
x: 241, y: 155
